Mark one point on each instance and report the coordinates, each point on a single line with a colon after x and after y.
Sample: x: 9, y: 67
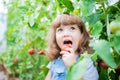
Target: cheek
x: 77, y: 41
x: 57, y: 37
x: 76, y: 44
x: 58, y: 40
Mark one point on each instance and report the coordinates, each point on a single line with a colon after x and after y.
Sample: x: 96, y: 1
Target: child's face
x: 68, y: 35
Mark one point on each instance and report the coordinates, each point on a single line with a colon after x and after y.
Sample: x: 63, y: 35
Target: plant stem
x: 106, y: 20
x: 108, y: 28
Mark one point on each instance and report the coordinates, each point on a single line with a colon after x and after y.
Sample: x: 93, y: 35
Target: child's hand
x: 68, y: 55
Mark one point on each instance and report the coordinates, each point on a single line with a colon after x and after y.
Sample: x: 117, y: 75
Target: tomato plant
x: 30, y: 20
x: 105, y: 39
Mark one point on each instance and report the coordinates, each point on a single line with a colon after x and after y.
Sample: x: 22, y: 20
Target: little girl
x: 68, y: 39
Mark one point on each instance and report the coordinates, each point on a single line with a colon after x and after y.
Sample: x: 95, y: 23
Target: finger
x: 64, y: 52
x: 70, y: 50
x: 65, y: 55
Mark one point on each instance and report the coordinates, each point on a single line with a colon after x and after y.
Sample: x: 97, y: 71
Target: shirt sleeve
x: 91, y: 73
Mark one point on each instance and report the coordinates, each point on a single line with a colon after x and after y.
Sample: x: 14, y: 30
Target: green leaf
x: 77, y: 70
x: 44, y: 69
x: 42, y: 34
x: 103, y: 74
x: 23, y: 8
x: 116, y: 43
x: 68, y: 4
x: 97, y: 28
x: 31, y: 20
x: 102, y: 48
x: 28, y: 13
x: 94, y: 57
x: 58, y: 5
x: 92, y: 18
x: 87, y: 6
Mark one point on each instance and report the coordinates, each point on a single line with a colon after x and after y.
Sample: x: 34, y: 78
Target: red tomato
x: 15, y: 60
x: 118, y: 69
x: 64, y: 48
x: 102, y: 64
x: 41, y: 52
x: 31, y: 51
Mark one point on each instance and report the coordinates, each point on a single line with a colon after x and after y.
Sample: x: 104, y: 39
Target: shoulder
x: 91, y: 73
x: 56, y: 64
x: 57, y: 69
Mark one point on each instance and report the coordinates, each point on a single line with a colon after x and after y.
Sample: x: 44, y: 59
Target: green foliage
x: 77, y: 70
x: 29, y: 22
x: 97, y: 15
x: 66, y: 5
x: 103, y: 50
x: 96, y: 29
x: 115, y: 43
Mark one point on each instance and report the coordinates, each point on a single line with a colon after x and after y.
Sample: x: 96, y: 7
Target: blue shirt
x: 59, y: 70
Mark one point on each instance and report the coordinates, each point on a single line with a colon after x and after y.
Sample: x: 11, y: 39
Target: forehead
x: 65, y: 20
x: 66, y: 26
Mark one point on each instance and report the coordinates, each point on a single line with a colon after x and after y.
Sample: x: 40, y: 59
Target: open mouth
x: 67, y: 42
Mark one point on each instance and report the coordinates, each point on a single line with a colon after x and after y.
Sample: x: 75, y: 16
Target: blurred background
x: 24, y: 25
x: 3, y: 25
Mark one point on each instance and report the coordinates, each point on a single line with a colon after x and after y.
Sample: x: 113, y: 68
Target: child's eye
x: 72, y: 28
x: 59, y: 30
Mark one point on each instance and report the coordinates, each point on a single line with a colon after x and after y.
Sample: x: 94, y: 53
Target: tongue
x: 67, y: 45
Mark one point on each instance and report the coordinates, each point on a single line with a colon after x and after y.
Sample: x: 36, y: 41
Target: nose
x: 66, y: 34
